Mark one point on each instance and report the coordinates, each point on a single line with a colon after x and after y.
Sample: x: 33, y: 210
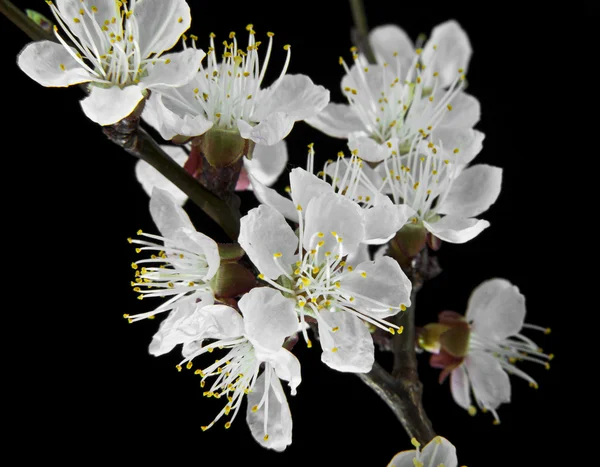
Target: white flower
x: 480, y: 350
x: 311, y: 271
x: 445, y: 196
x: 251, y: 342
x: 408, y: 95
x: 448, y: 49
x: 117, y: 49
x: 267, y: 163
x: 439, y: 452
x: 183, y: 264
x: 228, y: 95
x: 381, y: 218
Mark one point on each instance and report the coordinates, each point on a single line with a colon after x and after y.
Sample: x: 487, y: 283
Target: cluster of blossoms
x: 407, y: 184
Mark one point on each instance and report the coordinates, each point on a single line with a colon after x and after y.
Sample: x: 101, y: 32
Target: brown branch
x: 360, y: 31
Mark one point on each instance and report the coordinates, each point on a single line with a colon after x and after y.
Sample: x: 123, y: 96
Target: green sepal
x: 232, y: 280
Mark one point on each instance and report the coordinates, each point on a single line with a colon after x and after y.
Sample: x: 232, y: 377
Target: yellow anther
x: 338, y: 284
x: 167, y: 61
x: 321, y: 243
x: 350, y: 268
x: 62, y: 67
x: 286, y: 47
x: 320, y: 234
x: 436, y: 74
x: 496, y: 422
x: 415, y: 443
x: 446, y: 161
x: 418, y: 79
x: 547, y: 331
x: 340, y: 239
x: 277, y: 255
x: 266, y: 437
x: 392, y: 330
x: 134, y: 266
x: 533, y: 385
x: 249, y: 27
x: 305, y: 280
x: 204, y: 428
x: 309, y: 343
x: 403, y: 307
x: 416, y: 185
x: 547, y: 366
x: 335, y: 329
x: 299, y: 208
x: 316, y: 270
x: 364, y: 274
x: 334, y: 349
x: 288, y: 189
x: 472, y: 410
x: 255, y: 408
x: 449, y: 107
x: 297, y: 271
x: 76, y: 20
x: 455, y: 151
x: 418, y: 51
x: 180, y: 20
x: 430, y: 98
x: 178, y: 367
x: 551, y: 356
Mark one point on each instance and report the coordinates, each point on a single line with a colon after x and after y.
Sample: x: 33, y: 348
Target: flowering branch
x: 137, y: 142
x: 401, y: 390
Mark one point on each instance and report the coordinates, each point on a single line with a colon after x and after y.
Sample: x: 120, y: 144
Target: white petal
x: 337, y: 120
x: 195, y: 322
x: 170, y: 122
x: 490, y: 382
x: 469, y: 142
x: 42, y: 61
x: 333, y: 213
x: 403, y: 459
x: 161, y: 23
x: 269, y: 317
x: 361, y: 254
x: 267, y: 163
x: 384, y: 282
x: 200, y: 244
x: 175, y: 329
x: 496, y: 309
x: 473, y: 192
x: 306, y: 186
x: 350, y: 348
x: 295, y: 95
x: 452, y: 51
x: 286, y: 366
x: 264, y: 232
x: 181, y: 69
x: 383, y: 220
x: 167, y: 214
x: 269, y: 131
x: 271, y: 198
x: 87, y: 29
x: 369, y: 149
x: 149, y: 177
x: 439, y: 451
x: 106, y: 106
x: 279, y: 417
x: 455, y: 229
x: 460, y: 387
x: 465, y: 112
x: 388, y: 40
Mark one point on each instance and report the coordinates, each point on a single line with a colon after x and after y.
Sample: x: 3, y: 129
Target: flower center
x: 227, y: 91
x: 108, y: 49
x: 174, y: 271
x: 392, y: 106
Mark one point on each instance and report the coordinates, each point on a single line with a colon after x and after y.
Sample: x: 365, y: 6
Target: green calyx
x: 223, y: 148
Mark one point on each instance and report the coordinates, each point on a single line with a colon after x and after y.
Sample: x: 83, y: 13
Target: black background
x: 81, y: 383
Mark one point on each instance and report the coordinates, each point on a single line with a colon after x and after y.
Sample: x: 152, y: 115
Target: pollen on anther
x: 277, y: 255
x: 334, y: 349
x: 363, y: 274
x: 403, y: 307
x: 178, y: 367
x: 472, y: 411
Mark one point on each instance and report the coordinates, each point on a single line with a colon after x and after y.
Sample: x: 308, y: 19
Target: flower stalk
x: 137, y: 142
